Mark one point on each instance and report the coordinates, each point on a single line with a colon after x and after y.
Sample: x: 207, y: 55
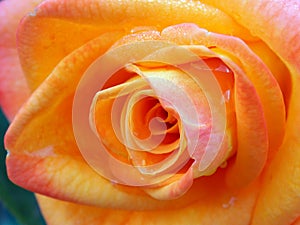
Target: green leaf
x: 20, y: 203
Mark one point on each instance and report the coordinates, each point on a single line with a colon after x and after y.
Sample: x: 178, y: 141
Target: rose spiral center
x: 152, y: 119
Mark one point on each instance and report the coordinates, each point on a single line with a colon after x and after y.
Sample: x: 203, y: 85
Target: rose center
x: 150, y: 116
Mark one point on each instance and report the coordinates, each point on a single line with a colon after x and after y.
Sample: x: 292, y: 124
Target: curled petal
x: 265, y: 85
x: 257, y: 72
x: 252, y: 134
x: 179, y: 93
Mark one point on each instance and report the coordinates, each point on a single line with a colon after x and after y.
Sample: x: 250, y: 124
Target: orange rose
x: 153, y: 112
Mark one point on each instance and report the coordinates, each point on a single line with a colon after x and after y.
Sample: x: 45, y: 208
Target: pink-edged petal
x: 180, y: 94
x: 257, y: 72
x: 13, y: 87
x: 252, y: 136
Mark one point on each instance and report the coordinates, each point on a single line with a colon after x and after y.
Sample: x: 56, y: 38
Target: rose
x: 244, y: 197
x: 38, y: 149
x: 232, y: 200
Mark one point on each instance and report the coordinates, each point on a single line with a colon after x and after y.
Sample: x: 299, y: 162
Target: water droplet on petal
x: 229, y: 203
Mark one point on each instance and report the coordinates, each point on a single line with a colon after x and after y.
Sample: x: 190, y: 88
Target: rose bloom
x: 154, y: 112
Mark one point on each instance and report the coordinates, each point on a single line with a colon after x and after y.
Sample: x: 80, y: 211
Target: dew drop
x: 223, y: 68
x: 33, y: 13
x: 229, y: 203
x: 226, y: 96
x: 46, y: 151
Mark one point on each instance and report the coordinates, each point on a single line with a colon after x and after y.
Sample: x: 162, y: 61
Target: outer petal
x: 90, y: 18
x: 278, y: 25
x: 13, y: 87
x: 227, y: 207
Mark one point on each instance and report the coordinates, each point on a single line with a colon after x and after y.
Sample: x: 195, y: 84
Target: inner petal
x: 102, y: 122
x: 146, y: 132
x: 140, y: 121
x: 149, y: 113
x: 146, y: 116
x: 221, y: 143
x: 140, y: 116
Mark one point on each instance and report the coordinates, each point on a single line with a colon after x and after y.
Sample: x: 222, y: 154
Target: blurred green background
x: 17, y: 206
